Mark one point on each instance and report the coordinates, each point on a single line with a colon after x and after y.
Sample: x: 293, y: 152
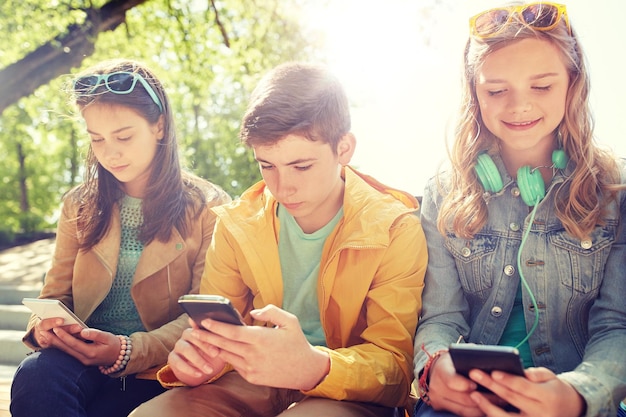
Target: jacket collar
x: 370, y: 208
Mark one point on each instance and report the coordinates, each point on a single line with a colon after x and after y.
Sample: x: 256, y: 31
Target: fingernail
x: 476, y: 397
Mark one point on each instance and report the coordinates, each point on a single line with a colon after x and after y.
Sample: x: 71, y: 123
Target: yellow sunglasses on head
x: 540, y: 16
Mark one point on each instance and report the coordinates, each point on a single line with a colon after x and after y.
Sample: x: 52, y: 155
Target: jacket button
x: 514, y: 227
x: 466, y: 252
x: 515, y: 192
x: 509, y: 270
x: 496, y: 311
x: 586, y: 244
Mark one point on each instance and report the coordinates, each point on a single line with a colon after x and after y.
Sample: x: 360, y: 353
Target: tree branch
x: 59, y: 55
x: 220, y: 25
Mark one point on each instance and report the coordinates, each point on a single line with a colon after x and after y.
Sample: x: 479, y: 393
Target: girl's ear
x: 345, y: 148
x: 160, y: 128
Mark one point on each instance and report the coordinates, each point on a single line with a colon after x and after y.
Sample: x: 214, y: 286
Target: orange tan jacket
x: 166, y: 270
x: 369, y: 288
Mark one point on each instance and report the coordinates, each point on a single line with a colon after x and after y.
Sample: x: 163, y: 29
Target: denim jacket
x: 579, y: 287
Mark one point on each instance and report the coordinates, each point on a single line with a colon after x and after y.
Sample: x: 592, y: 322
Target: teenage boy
x: 325, y: 264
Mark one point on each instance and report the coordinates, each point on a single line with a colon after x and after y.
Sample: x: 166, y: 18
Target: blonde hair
x: 595, y: 176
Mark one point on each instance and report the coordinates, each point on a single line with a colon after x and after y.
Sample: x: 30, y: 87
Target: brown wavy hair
x: 296, y: 98
x: 595, y: 175
x: 171, y: 195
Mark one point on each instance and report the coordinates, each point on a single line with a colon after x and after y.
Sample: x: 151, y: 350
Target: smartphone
x: 46, y: 308
x: 466, y: 356
x: 215, y: 307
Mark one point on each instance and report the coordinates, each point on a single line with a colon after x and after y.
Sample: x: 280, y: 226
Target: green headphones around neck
x: 529, y: 180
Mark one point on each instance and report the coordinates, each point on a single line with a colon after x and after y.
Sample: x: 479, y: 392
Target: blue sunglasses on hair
x: 121, y: 82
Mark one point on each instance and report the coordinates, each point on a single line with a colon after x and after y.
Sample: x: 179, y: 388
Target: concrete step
x: 12, y: 295
x: 6, y: 376
x: 12, y: 349
x: 7, y: 372
x: 14, y: 317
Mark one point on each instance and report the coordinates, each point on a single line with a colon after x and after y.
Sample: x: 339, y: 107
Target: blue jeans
x: 423, y: 410
x: 52, y: 383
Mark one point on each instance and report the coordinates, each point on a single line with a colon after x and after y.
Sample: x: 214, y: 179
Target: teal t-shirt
x: 300, y: 255
x: 515, y: 330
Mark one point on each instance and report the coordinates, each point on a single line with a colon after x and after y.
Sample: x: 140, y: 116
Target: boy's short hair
x: 296, y: 98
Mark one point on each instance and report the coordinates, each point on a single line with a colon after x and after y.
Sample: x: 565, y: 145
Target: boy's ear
x: 345, y: 148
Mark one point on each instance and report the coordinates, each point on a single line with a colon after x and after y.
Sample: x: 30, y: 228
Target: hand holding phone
x: 215, y: 307
x: 46, y: 308
x: 488, y: 358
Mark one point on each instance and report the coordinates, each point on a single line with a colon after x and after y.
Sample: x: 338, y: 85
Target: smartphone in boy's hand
x: 215, y: 307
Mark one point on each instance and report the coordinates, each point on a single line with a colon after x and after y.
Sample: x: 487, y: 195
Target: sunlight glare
x: 400, y: 62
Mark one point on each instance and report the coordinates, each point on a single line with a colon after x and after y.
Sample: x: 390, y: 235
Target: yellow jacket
x: 369, y: 288
x: 166, y: 270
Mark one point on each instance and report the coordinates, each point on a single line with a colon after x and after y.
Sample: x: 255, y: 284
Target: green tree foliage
x: 208, y: 53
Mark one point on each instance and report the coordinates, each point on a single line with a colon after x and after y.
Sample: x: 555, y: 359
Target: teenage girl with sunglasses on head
x: 525, y: 232
x: 131, y: 239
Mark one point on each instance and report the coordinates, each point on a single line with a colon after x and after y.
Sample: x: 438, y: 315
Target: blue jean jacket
x: 579, y: 287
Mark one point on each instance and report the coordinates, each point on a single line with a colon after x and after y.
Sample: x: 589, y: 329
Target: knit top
x: 117, y: 313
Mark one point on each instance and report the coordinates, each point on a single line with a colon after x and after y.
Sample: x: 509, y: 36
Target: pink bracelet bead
x: 126, y: 347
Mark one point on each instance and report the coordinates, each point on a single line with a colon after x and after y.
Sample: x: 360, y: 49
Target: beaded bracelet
x: 425, y: 377
x: 126, y: 346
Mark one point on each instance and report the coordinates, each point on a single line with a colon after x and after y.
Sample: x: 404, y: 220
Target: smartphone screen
x: 215, y: 307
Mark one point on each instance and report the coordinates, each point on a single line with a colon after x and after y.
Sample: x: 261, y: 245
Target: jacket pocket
x: 581, y: 263
x: 474, y: 261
